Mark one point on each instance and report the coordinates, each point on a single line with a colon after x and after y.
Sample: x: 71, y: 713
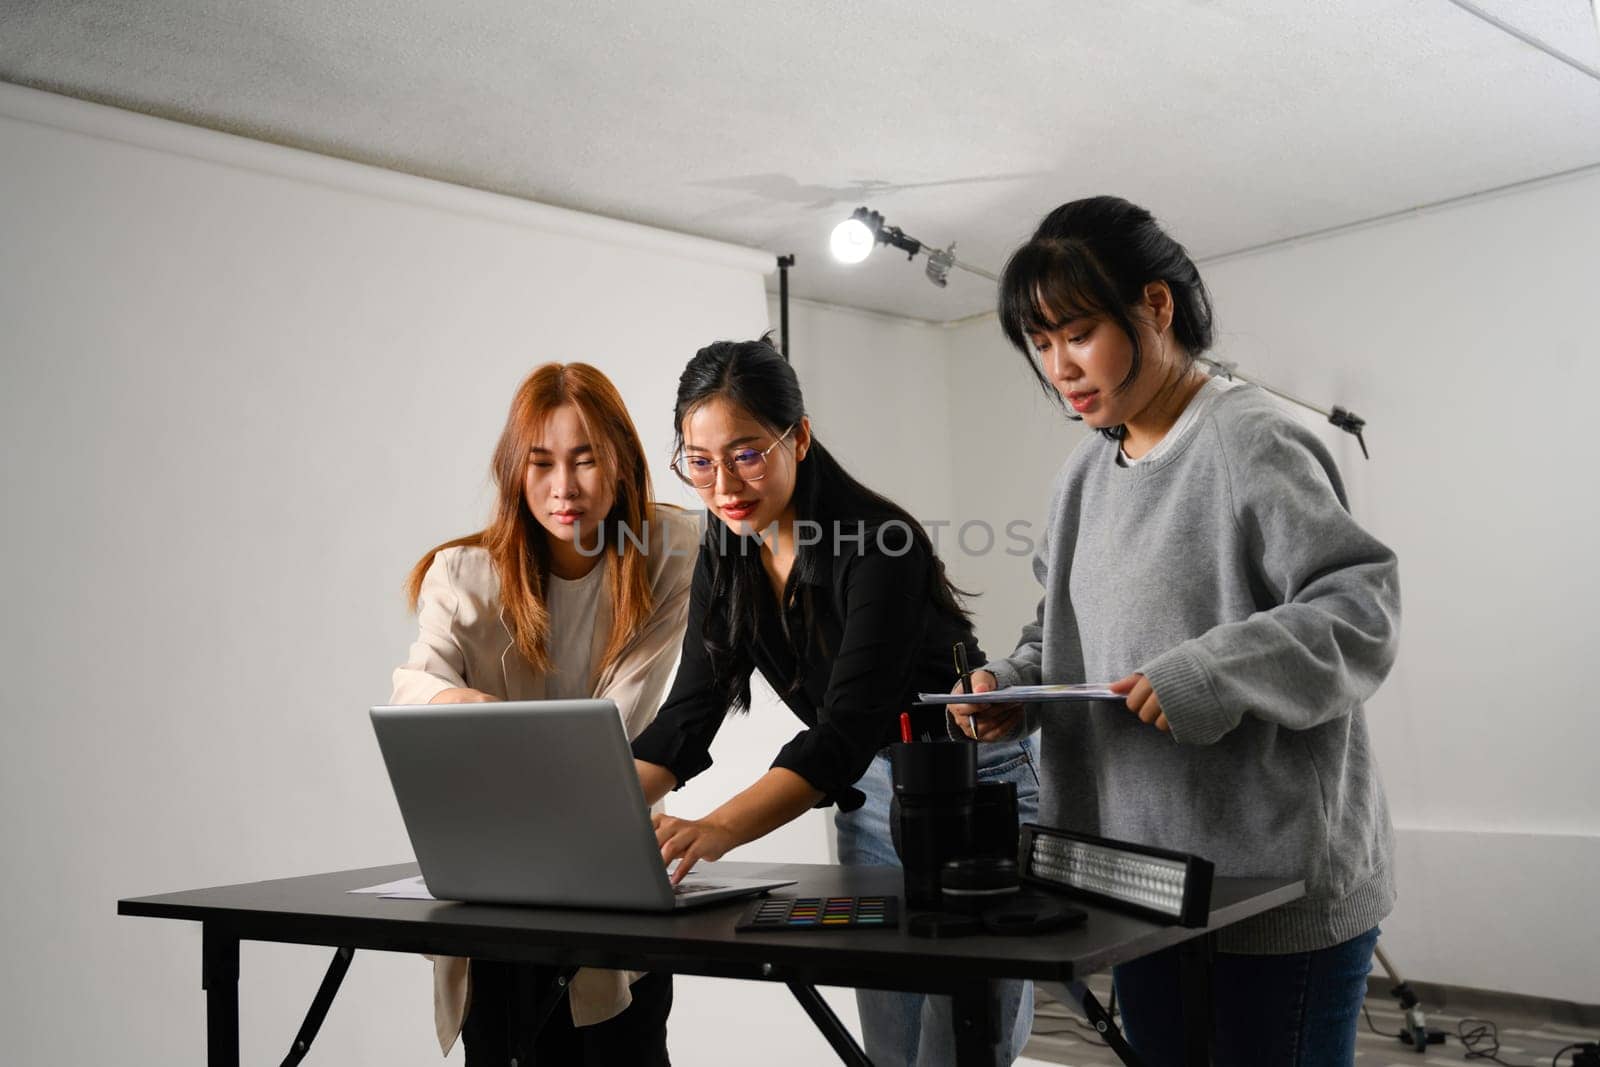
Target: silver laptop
x: 533, y: 803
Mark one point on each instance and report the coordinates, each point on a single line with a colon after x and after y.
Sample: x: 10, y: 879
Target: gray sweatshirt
x: 1230, y: 573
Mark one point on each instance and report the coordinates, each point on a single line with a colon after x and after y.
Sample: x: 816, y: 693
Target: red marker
x: 905, y: 727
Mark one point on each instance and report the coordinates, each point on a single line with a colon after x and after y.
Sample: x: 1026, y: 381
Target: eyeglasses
x: 745, y: 464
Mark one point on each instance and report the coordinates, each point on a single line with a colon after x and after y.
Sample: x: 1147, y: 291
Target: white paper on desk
x: 1027, y: 694
x: 412, y: 888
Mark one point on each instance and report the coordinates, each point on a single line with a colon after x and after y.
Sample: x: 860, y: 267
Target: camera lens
x: 976, y: 884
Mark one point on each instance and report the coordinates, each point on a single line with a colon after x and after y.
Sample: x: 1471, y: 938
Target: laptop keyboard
x: 698, y: 887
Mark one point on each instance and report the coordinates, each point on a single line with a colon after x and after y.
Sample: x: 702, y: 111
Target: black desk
x: 317, y: 910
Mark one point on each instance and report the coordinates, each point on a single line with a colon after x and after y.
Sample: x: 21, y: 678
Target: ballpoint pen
x: 964, y: 670
x: 964, y: 673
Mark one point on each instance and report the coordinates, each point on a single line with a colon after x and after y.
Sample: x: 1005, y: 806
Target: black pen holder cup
x: 931, y: 815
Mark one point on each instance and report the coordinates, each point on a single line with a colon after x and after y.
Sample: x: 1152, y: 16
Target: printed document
x: 404, y: 889
x: 1027, y: 694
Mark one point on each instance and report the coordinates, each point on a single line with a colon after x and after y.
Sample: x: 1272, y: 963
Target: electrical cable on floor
x: 1091, y: 1036
x: 1481, y: 1039
x: 1585, y: 1053
x: 1086, y: 1033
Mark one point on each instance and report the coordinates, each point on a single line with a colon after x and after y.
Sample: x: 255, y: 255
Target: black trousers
x: 498, y: 1030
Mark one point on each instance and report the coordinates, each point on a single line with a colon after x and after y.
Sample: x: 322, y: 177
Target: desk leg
x: 977, y: 1020
x: 1079, y: 993
x: 1194, y: 989
x: 318, y: 1012
x: 219, y: 977
x: 546, y: 1004
x: 826, y: 1021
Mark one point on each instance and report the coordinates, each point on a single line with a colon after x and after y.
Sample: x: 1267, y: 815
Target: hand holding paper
x: 981, y: 720
x: 1142, y: 701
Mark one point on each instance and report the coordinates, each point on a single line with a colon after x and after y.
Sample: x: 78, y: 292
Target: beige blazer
x: 462, y: 640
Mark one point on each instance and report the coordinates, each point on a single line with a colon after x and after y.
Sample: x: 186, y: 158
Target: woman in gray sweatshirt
x: 1200, y: 551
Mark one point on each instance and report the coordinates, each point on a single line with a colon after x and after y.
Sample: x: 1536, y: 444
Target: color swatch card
x: 820, y: 913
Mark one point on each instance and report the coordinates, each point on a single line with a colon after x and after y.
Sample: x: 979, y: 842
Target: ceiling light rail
x: 1348, y: 421
x: 854, y: 239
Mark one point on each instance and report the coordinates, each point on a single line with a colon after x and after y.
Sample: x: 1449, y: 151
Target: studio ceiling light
x: 855, y: 238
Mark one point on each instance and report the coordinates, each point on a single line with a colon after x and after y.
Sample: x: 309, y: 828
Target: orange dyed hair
x: 515, y: 541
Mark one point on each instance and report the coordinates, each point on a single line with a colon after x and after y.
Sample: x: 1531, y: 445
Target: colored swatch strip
x: 819, y: 911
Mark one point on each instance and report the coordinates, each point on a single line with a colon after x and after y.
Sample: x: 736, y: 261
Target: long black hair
x: 752, y: 376
x: 1094, y: 257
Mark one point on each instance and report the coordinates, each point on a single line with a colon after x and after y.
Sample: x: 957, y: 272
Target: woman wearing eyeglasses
x: 553, y: 601
x: 834, y: 594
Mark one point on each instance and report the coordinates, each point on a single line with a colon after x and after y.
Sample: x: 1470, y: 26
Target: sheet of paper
x: 411, y: 888
x: 1026, y: 694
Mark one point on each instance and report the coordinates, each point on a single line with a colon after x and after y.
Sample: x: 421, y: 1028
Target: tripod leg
x: 1417, y: 1033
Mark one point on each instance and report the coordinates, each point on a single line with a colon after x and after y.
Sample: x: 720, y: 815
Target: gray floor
x: 1060, y: 1035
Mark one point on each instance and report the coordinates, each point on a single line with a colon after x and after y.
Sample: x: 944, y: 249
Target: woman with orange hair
x: 578, y: 588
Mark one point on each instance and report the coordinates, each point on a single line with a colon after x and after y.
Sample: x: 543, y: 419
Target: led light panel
x: 1172, y: 886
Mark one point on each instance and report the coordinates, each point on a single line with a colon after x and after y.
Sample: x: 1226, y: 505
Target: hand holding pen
x: 981, y: 722
x: 986, y: 722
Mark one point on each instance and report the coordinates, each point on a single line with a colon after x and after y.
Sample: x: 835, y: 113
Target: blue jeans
x: 913, y: 1029
x: 1297, y: 1010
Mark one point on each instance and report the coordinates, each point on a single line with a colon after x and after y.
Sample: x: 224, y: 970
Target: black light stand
x: 1417, y: 1033
x: 784, y: 263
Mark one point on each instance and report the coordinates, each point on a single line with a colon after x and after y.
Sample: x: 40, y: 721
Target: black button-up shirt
x: 885, y: 642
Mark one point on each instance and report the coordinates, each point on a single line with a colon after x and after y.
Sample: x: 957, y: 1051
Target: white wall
x: 243, y: 389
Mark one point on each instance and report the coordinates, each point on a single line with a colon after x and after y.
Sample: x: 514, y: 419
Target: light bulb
x: 852, y: 241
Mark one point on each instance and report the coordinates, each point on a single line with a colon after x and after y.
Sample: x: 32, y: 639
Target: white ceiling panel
x: 1238, y: 121
x: 1568, y: 26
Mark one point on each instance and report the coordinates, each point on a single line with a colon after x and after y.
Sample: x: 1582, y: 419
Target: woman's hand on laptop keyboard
x: 778, y: 797
x: 689, y: 841
x: 463, y: 696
